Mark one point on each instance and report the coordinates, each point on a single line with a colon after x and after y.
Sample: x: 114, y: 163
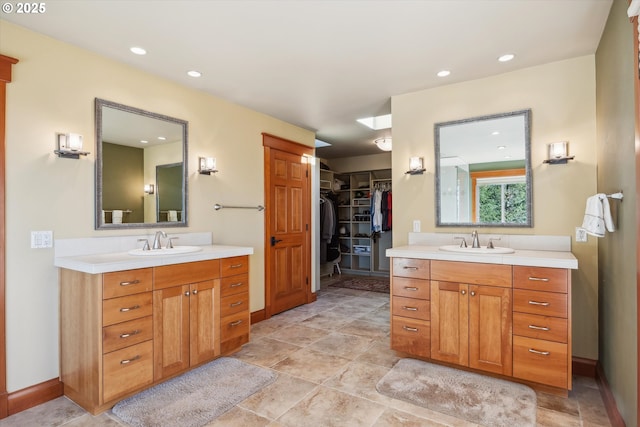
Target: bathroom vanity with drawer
x: 125, y: 329
x: 507, y: 315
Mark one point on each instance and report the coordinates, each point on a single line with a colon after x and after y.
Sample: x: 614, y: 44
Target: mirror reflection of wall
x: 169, y: 179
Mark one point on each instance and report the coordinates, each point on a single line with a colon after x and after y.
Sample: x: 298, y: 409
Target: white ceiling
x: 323, y: 64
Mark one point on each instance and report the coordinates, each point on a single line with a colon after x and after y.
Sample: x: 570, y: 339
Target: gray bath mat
x: 197, y: 397
x: 477, y: 398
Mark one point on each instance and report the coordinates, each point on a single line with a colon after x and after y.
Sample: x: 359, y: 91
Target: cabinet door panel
x: 171, y: 331
x: 204, y: 319
x: 490, y: 341
x: 449, y: 322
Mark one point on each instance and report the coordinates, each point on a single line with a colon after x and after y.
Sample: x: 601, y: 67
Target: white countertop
x: 118, y: 261
x: 532, y: 258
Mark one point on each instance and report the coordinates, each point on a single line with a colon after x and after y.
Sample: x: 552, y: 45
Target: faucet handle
x: 145, y: 247
x: 463, y: 244
x: 490, y: 244
x: 170, y: 242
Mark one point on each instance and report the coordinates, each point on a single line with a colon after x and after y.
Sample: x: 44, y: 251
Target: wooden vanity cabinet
x: 235, y: 320
x: 470, y: 321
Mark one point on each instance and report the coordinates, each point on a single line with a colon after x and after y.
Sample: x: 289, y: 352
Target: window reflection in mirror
x: 137, y: 148
x: 483, y: 171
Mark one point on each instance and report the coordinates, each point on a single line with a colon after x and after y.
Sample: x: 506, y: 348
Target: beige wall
x: 616, y: 171
x: 561, y: 96
x: 371, y: 162
x: 53, y: 90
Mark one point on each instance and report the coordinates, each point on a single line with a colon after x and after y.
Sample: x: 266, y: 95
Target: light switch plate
x: 41, y: 239
x: 581, y: 235
x: 416, y: 225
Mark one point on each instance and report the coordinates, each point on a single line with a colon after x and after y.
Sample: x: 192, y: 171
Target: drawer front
x: 116, y: 310
x: 128, y: 282
x: 168, y: 276
x: 541, y: 279
x: 124, y: 334
x: 234, y: 266
x: 540, y: 327
x: 411, y: 267
x: 233, y: 304
x: 234, y: 326
x: 411, y: 288
x: 411, y: 336
x: 542, y: 303
x: 127, y: 370
x: 472, y: 273
x: 543, y: 362
x: 234, y: 285
x: 410, y: 307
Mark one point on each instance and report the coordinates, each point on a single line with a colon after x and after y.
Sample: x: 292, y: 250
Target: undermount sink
x: 481, y: 250
x: 176, y: 250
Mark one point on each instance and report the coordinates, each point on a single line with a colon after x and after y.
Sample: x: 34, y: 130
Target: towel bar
x: 218, y: 207
x: 617, y: 196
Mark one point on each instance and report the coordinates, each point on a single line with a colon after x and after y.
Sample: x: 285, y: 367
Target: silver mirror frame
x: 528, y: 172
x: 99, y: 104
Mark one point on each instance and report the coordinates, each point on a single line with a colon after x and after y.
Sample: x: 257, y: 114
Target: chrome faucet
x: 476, y: 241
x: 156, y: 240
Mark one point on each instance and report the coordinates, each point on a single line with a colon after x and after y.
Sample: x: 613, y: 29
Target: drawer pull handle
x: 125, y: 309
x: 410, y: 329
x: 127, y: 361
x: 404, y: 307
x: 538, y: 279
x: 411, y: 288
x: 236, y: 266
x: 544, y: 304
x: 236, y: 323
x: 408, y: 267
x: 133, y: 282
x: 235, y: 285
x: 235, y: 304
x: 136, y: 332
x: 538, y: 328
x: 542, y: 353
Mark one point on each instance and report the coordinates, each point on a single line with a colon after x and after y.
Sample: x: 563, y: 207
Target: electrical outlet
x: 41, y: 239
x: 581, y: 235
x: 416, y: 225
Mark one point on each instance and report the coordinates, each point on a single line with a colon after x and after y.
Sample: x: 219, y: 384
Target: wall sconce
x: 69, y: 145
x: 149, y: 188
x: 207, y: 165
x: 416, y: 166
x: 559, y: 153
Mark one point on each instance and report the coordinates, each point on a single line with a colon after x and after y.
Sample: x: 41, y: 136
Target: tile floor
x: 329, y: 355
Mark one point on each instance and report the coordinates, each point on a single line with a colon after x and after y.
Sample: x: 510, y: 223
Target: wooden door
x: 449, y: 322
x: 204, y: 321
x: 490, y: 341
x: 170, y: 331
x: 288, y: 215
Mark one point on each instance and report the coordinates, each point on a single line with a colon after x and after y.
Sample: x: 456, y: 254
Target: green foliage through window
x: 502, y: 203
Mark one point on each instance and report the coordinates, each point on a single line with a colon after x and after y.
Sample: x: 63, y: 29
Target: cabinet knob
x: 186, y: 294
x: 195, y: 292
x: 463, y: 292
x: 473, y: 293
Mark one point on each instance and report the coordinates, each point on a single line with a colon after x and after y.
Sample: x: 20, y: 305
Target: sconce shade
x: 385, y: 144
x: 149, y: 188
x: 69, y: 145
x: 558, y: 153
x: 416, y: 166
x: 207, y: 165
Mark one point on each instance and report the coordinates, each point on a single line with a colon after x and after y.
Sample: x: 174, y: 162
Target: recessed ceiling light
x: 162, y: 138
x: 194, y: 73
x: 507, y: 57
x: 502, y: 147
x: 495, y: 132
x: 443, y: 73
x: 138, y: 50
x: 144, y: 141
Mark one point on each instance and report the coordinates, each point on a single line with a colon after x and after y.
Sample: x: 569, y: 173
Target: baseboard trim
x: 29, y: 397
x: 607, y: 396
x: 258, y: 316
x: 584, y: 367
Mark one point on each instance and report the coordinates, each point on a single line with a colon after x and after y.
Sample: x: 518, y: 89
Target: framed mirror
x: 141, y: 168
x: 483, y: 171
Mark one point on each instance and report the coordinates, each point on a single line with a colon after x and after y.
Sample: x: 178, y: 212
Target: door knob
x: 274, y: 240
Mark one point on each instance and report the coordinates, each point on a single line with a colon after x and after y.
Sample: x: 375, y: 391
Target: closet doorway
x: 287, y: 224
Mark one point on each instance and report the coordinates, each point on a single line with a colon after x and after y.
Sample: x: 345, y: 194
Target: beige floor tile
x: 359, y: 379
x: 267, y: 327
x: 280, y: 396
x: 299, y: 335
x: 592, y: 407
x: 331, y: 408
x: 52, y: 413
x: 366, y: 329
x: 352, y: 312
x: 103, y: 420
x: 265, y: 352
x: 326, y: 320
x: 343, y: 345
x: 380, y: 353
x: 311, y: 365
x: 394, y: 418
x: 238, y: 417
x: 548, y: 418
x: 559, y: 404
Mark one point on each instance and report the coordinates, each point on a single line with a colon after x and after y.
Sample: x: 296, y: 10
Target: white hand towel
x: 116, y: 217
x: 172, y: 216
x: 597, y: 216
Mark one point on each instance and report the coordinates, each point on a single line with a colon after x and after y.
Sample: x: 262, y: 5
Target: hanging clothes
x: 329, y: 235
x: 385, y: 209
x: 376, y: 211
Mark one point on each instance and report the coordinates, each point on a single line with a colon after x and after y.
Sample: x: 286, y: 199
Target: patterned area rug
x: 362, y: 283
x: 197, y: 397
x: 477, y: 398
